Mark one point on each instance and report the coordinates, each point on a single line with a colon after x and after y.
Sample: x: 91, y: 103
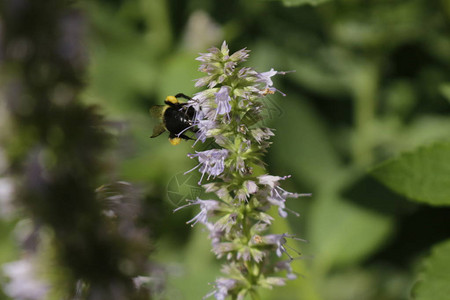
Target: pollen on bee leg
x: 172, y: 99
x: 175, y: 141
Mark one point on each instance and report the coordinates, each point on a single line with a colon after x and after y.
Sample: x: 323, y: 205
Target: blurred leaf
x: 302, y: 2
x: 434, y: 282
x: 123, y: 64
x: 325, y: 72
x: 8, y: 247
x: 445, y: 90
x: 401, y: 97
x: 178, y: 75
x: 302, y: 145
x: 344, y: 233
x: 303, y: 287
x: 371, y: 282
x: 425, y: 225
x: 200, y: 266
x: 393, y: 137
x: 422, y: 175
x: 423, y: 130
x: 371, y: 194
x: 381, y: 26
x: 264, y: 56
x: 158, y: 164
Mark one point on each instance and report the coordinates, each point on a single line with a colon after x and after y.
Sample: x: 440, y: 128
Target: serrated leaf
x: 434, y: 281
x: 422, y: 175
x: 302, y: 2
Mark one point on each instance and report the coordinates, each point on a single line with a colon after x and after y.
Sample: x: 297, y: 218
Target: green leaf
x: 367, y: 192
x: 302, y: 143
x: 434, y: 281
x: 177, y: 75
x: 303, y: 2
x: 294, y: 289
x: 445, y: 90
x: 8, y: 248
x: 343, y: 233
x: 123, y: 66
x: 422, y: 175
x: 423, y: 130
x: 200, y: 264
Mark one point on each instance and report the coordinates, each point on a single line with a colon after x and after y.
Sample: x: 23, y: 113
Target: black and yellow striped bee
x: 175, y: 117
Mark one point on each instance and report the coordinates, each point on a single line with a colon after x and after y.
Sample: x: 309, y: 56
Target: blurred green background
x: 371, y: 79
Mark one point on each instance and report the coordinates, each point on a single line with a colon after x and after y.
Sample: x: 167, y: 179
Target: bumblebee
x: 175, y: 117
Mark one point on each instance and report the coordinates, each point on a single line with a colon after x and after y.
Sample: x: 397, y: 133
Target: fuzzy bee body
x: 175, y: 117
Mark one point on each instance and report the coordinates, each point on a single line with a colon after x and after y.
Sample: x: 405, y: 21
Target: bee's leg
x: 171, y: 101
x: 181, y: 95
x: 173, y: 139
x: 185, y: 137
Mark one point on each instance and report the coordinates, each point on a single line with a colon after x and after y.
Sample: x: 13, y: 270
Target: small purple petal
x: 210, y: 162
x: 223, y: 101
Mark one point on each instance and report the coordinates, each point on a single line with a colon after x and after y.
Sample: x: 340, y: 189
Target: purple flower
x: 208, y: 56
x: 279, y: 240
x: 228, y: 69
x: 246, y: 72
x: 220, y: 190
x: 240, y: 55
x: 223, y: 101
x: 225, y: 51
x: 226, y: 222
x: 220, y: 249
x: 229, y: 111
x: 202, y: 98
x: 210, y: 161
x: 223, y: 285
x: 270, y: 180
x: 274, y: 281
x: 6, y: 196
x: 215, y: 233
x: 261, y: 134
x: 204, y: 104
x: 204, y: 126
x: 251, y: 186
x: 207, y: 209
x: 285, y: 265
x: 277, y: 196
x: 265, y: 77
x: 24, y: 282
x: 204, y: 81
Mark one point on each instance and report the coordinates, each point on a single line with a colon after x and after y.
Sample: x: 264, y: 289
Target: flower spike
x: 228, y: 111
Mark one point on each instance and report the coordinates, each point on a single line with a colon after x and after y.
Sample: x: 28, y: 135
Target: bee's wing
x: 157, y: 111
x: 158, y: 129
